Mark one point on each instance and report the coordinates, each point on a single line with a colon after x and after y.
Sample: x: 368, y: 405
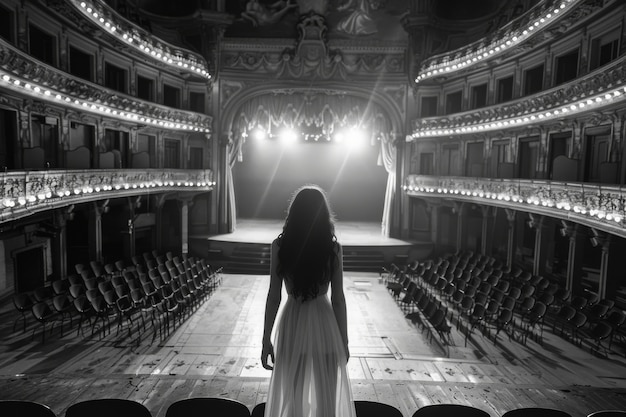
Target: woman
x: 309, y: 377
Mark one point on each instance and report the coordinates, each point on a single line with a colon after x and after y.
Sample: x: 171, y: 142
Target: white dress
x: 309, y: 377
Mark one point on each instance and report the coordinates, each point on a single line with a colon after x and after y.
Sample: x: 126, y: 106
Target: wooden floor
x: 215, y: 352
x: 348, y: 233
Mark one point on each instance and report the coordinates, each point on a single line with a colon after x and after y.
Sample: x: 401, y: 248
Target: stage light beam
x: 355, y: 138
x: 259, y: 134
x: 288, y: 136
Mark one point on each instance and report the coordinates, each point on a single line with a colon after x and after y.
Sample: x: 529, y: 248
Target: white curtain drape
x: 387, y: 158
x: 234, y: 154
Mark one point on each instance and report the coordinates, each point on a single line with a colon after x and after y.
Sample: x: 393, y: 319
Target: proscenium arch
x: 389, y: 107
x: 392, y: 111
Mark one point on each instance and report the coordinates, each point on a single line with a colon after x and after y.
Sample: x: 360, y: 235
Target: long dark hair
x: 307, y: 245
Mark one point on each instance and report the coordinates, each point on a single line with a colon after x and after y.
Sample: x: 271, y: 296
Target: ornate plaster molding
x: 26, y: 75
x: 589, y: 93
x: 599, y: 206
x: 540, y: 24
x: 313, y: 57
x: 24, y: 193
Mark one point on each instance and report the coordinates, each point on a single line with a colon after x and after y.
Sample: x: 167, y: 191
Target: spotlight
x: 259, y: 134
x: 288, y: 136
x: 355, y: 138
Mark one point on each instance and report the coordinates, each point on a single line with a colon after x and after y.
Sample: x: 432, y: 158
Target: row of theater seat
x: 486, y: 294
x: 217, y: 406
x: 162, y: 288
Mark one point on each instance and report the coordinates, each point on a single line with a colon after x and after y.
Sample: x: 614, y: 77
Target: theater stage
x: 246, y: 250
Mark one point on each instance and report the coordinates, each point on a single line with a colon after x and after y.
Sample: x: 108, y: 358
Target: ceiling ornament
x: 313, y: 57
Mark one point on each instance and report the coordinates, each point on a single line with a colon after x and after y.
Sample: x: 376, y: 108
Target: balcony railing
x: 602, y: 207
x: 601, y: 88
x: 142, y: 41
x: 28, y: 192
x: 26, y: 75
x: 509, y: 37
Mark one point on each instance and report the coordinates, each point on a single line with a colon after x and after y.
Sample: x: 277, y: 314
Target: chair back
x: 536, y: 412
x: 206, y: 406
x: 25, y: 408
x: 608, y: 413
x: 375, y: 409
x: 450, y: 410
x: 258, y: 410
x: 107, y: 407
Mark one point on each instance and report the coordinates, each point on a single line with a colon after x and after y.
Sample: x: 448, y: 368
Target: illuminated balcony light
x: 457, y: 60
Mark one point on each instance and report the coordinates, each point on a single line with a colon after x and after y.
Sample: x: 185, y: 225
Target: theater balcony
x: 517, y: 151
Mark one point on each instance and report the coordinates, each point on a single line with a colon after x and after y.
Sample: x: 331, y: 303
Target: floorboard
x: 216, y: 352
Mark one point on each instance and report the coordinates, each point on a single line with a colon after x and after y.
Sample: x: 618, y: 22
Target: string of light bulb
x: 142, y: 41
x: 477, y: 53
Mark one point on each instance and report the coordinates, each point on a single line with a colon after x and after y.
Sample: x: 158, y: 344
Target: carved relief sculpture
x: 262, y: 15
x: 359, y: 21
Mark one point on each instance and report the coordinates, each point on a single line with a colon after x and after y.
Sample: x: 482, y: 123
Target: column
x: 575, y: 255
x: 488, y: 213
x: 59, y: 243
x: 460, y: 226
x: 95, y: 233
x: 510, y: 248
x: 184, y: 224
x: 159, y: 202
x: 129, y: 242
x: 604, y: 240
x: 433, y: 210
x: 536, y: 222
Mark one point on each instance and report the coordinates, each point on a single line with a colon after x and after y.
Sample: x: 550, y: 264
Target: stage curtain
x: 387, y: 158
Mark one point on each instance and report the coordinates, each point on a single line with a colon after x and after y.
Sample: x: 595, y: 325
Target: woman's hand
x: 268, y: 350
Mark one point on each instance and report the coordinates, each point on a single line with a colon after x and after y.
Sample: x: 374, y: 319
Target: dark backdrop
x: 271, y: 172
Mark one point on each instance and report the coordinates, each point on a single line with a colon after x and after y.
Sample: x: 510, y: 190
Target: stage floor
x: 348, y: 233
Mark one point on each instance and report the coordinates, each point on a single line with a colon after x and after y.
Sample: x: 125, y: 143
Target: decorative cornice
x: 25, y: 75
x: 595, y: 91
x: 313, y: 57
x: 510, y: 37
x: 143, y: 42
x: 600, y: 206
x: 27, y: 192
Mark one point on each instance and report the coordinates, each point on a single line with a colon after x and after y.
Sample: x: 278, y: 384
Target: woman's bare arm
x: 271, y: 308
x: 338, y: 299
